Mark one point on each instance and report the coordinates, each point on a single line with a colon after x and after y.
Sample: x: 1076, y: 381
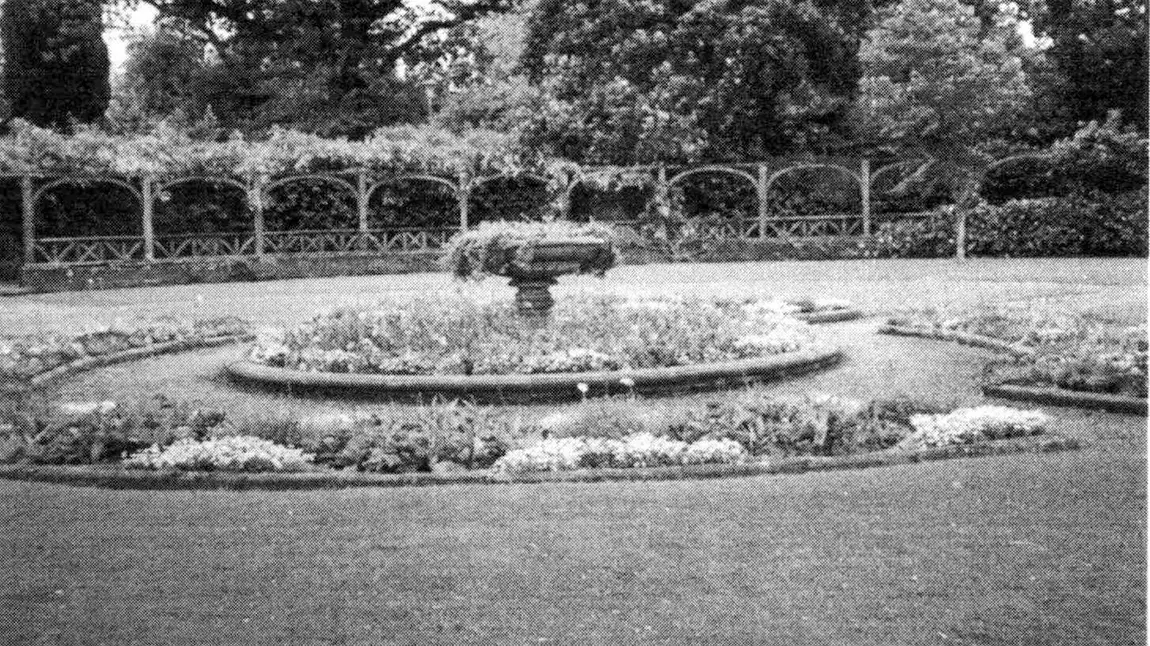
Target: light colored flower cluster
x: 234, y: 453
x: 831, y: 303
x: 571, y: 360
x: 270, y: 347
x: 969, y: 425
x: 639, y: 450
x: 770, y: 308
x: 784, y: 338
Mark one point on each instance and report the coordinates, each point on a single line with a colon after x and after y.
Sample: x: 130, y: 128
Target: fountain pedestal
x: 533, y: 295
x: 533, y: 275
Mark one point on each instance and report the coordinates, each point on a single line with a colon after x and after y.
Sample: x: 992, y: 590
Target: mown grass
x: 1025, y: 549
x: 1046, y: 549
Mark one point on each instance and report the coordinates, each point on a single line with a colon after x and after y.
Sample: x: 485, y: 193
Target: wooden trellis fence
x: 362, y: 185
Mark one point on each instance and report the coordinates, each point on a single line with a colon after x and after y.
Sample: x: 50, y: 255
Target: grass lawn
x: 1046, y: 549
x: 1024, y: 549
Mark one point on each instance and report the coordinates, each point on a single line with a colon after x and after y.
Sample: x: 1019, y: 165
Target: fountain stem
x: 533, y: 295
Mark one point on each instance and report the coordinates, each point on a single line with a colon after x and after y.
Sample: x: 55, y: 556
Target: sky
x: 117, y: 39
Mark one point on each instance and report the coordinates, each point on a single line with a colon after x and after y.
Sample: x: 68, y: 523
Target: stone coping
x: 90, y: 362
x: 548, y: 386
x: 835, y: 315
x: 965, y: 338
x: 1063, y: 397
x: 115, y: 477
x: 1048, y: 395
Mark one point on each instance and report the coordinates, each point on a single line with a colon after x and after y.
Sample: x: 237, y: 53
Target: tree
x: 327, y: 66
x: 742, y: 78
x: 933, y: 87
x: 56, y: 61
x: 1099, y: 51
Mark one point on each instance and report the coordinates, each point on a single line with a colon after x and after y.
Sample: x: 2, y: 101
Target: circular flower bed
x: 457, y: 336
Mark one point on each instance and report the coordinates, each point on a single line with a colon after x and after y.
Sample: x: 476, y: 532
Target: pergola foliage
x: 168, y: 152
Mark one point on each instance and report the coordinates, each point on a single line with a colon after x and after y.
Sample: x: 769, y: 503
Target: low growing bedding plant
x: 1069, y: 351
x: 450, y: 436
x: 461, y: 336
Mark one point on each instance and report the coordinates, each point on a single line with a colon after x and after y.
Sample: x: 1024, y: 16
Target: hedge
x: 1077, y: 225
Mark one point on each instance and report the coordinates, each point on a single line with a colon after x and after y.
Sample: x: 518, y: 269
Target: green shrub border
x: 550, y: 386
x: 120, y: 478
x: 1036, y: 394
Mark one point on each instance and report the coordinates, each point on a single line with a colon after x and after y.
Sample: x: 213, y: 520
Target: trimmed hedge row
x: 1095, y: 225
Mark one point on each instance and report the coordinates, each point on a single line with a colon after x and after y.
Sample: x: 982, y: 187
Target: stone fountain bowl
x: 534, y: 269
x: 551, y: 259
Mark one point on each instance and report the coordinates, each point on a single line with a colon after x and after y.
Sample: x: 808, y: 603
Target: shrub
x: 234, y: 453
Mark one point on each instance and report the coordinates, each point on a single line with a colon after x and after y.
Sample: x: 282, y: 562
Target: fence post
x: 148, y: 218
x: 256, y: 199
x: 960, y: 234
x: 361, y: 198
x: 864, y: 182
x: 464, y: 196
x: 29, y: 217
x: 761, y: 190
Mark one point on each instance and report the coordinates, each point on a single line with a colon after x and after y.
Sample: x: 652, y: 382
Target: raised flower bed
x: 589, y: 344
x: 1056, y: 358
x: 168, y: 445
x: 36, y: 359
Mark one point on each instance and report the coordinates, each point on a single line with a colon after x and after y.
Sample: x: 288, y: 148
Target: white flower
x: 234, y: 453
x: 87, y: 408
x: 968, y: 425
x: 582, y: 387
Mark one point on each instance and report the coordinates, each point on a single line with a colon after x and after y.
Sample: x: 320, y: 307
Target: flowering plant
x: 586, y: 332
x: 235, y: 453
x: 1069, y: 351
x: 639, y: 450
x: 969, y: 425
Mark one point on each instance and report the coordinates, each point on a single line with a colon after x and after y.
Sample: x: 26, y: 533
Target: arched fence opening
x: 89, y: 220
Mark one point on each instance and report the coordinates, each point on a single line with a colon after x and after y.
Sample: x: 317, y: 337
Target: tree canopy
x: 936, y: 84
x: 327, y: 66
x: 56, y: 61
x: 683, y: 79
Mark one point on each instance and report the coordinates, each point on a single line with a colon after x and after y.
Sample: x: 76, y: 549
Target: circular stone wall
x: 541, y: 387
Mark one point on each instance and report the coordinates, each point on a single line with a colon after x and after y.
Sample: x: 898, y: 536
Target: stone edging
x: 830, y: 316
x: 965, y: 338
x: 1063, y: 397
x: 88, y: 363
x: 119, y: 478
x: 552, y: 386
x: 1037, y: 394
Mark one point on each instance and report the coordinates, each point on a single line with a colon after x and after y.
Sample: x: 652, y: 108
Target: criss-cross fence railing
x: 151, y: 245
